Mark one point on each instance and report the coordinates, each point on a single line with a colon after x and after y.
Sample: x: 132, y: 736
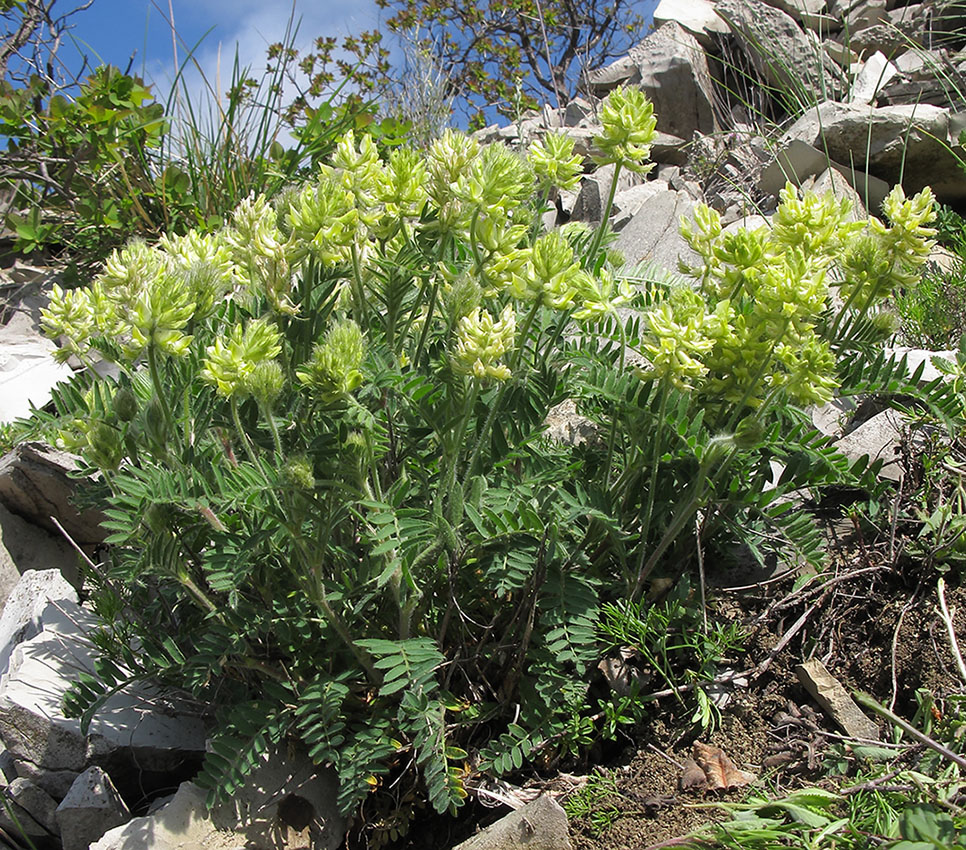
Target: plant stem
x: 276, y: 438
x: 334, y: 620
x: 605, y: 215
x: 448, y: 490
x: 155, y: 373
x: 950, y: 629
x: 647, y: 515
x: 357, y: 288
x: 426, y: 324
x: 612, y: 438
x: 498, y: 401
x: 866, y: 701
x: 242, y: 435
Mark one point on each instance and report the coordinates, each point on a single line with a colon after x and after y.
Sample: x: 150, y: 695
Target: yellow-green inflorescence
x: 765, y: 315
x: 754, y: 322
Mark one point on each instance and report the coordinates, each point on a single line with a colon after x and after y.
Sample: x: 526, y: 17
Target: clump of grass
x: 933, y: 314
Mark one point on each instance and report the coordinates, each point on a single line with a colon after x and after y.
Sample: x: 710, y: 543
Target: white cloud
x: 248, y: 27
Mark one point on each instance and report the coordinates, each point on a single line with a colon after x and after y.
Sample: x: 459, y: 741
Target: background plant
x: 334, y: 514
x: 489, y: 50
x: 933, y: 312
x: 93, y: 161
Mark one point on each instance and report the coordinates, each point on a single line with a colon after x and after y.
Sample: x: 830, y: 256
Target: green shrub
x: 90, y: 172
x: 932, y: 313
x: 334, y: 512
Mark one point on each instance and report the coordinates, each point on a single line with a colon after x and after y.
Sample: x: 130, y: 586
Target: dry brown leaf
x: 692, y: 778
x: 720, y: 770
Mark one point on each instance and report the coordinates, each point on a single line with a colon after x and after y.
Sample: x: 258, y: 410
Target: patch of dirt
x: 875, y: 628
x: 873, y: 621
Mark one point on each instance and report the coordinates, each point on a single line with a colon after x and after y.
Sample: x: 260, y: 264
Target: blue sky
x: 113, y: 30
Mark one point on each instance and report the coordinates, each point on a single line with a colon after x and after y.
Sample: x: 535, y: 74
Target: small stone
x: 35, y: 801
x: 91, y: 808
x: 540, y: 825
x: 835, y: 701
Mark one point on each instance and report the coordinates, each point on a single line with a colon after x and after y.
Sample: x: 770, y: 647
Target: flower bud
x: 125, y: 405
x: 298, y: 474
x: 554, y: 162
x: 628, y: 127
x: 266, y: 382
x: 749, y: 432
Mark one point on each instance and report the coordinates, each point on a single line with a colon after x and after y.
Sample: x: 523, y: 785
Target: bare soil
x: 876, y: 628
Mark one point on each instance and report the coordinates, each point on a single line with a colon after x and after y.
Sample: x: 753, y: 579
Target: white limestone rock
x: 287, y: 802
x: 35, y: 484
x: 22, y: 616
x: 183, y: 823
x: 698, y: 17
x: 653, y: 234
x: 911, y: 140
x: 540, y: 825
x: 874, y: 76
x: 878, y: 438
x: 91, y: 808
x: 139, y: 735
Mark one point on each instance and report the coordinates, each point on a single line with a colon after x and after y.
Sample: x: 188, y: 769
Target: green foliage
x: 590, y: 802
x: 669, y: 636
x: 497, y: 53
x: 93, y: 169
x: 333, y: 511
x: 925, y: 827
x: 81, y: 167
x: 933, y: 312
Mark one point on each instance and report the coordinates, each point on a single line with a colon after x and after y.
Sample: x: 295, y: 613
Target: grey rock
x: 874, y: 76
x: 878, y: 438
x: 25, y: 547
x: 868, y: 13
x: 91, y: 808
x: 840, y: 54
x: 55, y: 782
x: 28, y: 373
x: 835, y: 701
x: 881, y: 38
x: 652, y: 235
x: 285, y: 794
x: 139, y: 736
x: 916, y: 357
x: 809, y: 12
x: 22, y: 616
x: 35, y: 802
x: 566, y: 426
x: 747, y: 222
x: 832, y: 181
x: 35, y: 483
x: 629, y: 202
x: 595, y: 189
x: 832, y: 417
x: 540, y: 825
x: 578, y: 113
x: 672, y: 69
x: 8, y: 769
x: 945, y: 260
x: 888, y: 141
x: 798, y: 161
x: 782, y: 53
x: 698, y: 17
x: 926, y: 76
x: 181, y: 824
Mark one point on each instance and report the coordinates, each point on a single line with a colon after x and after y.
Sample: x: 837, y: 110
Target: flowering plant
x: 334, y: 509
